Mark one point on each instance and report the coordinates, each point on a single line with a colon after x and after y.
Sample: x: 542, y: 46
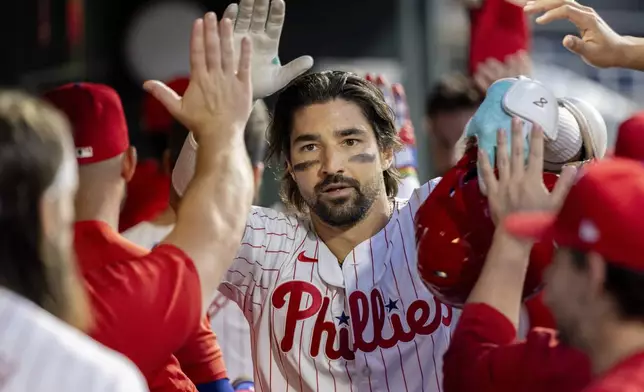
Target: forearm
x: 500, y: 284
x: 215, y: 207
x: 633, y: 53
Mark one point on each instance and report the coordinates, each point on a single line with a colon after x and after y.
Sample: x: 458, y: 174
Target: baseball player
x: 39, y: 284
x: 106, y: 162
x: 332, y: 294
x: 226, y: 318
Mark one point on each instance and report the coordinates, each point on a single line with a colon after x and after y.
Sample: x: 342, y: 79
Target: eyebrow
x: 309, y: 137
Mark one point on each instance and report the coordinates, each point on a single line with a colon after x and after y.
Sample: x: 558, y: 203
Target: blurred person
x: 41, y: 289
x: 150, y: 306
x: 226, y: 318
x: 449, y: 107
x: 595, y: 285
x: 106, y: 162
x: 351, y: 254
x: 629, y: 142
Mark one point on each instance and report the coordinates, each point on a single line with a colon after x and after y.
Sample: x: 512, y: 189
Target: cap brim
x: 537, y: 226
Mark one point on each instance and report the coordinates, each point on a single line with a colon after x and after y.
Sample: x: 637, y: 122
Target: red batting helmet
x: 454, y: 232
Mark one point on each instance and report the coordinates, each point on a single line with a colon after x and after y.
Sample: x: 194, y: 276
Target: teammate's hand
x: 598, y: 44
x: 219, y: 96
x: 263, y: 27
x: 520, y: 187
x: 492, y: 69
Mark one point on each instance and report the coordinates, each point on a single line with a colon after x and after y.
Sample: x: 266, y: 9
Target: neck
x: 618, y: 341
x: 102, y: 204
x: 342, y: 240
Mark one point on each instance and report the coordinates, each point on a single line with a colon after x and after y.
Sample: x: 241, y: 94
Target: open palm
x: 262, y: 21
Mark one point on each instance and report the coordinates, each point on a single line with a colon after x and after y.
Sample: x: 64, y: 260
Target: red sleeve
x: 484, y: 356
x: 201, y: 357
x: 146, y: 308
x: 498, y: 29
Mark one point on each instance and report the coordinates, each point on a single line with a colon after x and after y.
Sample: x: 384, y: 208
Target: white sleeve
x: 129, y: 380
x: 269, y: 239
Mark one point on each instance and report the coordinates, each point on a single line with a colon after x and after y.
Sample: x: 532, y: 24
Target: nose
x: 332, y: 162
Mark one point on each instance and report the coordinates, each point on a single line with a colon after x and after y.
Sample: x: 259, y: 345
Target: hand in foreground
x: 521, y: 188
x: 492, y: 69
x: 263, y: 27
x: 598, y: 45
x: 219, y: 96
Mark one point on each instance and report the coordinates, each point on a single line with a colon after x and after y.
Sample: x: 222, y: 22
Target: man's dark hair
x: 323, y: 87
x: 31, y: 152
x: 624, y: 285
x: 254, y: 136
x: 452, y: 93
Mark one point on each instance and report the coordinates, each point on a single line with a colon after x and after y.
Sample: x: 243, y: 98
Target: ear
x: 166, y: 165
x: 289, y: 170
x: 128, y: 166
x: 596, y: 274
x: 387, y: 158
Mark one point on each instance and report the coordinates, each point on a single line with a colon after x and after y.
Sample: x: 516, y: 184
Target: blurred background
x: 123, y: 42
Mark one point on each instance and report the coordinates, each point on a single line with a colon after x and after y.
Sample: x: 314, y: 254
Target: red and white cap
x: 602, y: 213
x: 97, y: 119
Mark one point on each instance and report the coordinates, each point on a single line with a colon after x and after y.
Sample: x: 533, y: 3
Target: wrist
x: 509, y: 249
x: 630, y: 53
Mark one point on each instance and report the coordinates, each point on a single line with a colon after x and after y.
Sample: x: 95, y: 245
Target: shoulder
x: 419, y: 195
x: 64, y: 343
x: 263, y: 218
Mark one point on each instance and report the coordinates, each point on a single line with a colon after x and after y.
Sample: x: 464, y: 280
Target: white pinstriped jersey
x: 38, y: 352
x: 368, y: 325
x: 226, y: 319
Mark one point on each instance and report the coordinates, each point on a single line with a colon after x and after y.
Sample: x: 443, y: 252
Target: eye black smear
x: 363, y: 158
x: 305, y: 165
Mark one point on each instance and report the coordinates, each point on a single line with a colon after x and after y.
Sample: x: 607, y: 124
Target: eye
x: 308, y: 148
x: 351, y: 142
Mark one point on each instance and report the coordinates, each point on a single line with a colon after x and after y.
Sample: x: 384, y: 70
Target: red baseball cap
x: 630, y: 138
x: 602, y: 213
x: 96, y: 115
x: 155, y: 116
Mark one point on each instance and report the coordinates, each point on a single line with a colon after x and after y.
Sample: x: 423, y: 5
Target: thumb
x: 164, y: 94
x: 574, y: 44
x: 294, y: 69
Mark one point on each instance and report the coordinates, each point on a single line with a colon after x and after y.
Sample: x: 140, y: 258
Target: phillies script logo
x: 364, y: 312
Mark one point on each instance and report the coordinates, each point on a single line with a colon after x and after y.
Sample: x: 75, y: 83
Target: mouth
x: 336, y: 189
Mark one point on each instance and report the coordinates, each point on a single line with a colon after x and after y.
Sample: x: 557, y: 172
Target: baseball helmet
x: 454, y: 232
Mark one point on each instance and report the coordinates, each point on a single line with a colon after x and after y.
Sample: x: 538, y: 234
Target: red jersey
x: 628, y: 375
x: 485, y: 356
x: 147, y: 305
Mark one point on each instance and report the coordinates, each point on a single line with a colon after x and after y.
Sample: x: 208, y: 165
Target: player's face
x: 565, y: 293
x: 336, y: 161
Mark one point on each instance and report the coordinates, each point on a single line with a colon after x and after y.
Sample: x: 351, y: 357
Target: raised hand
x: 262, y: 24
x: 396, y: 99
x: 520, y: 187
x: 492, y: 69
x: 219, y: 96
x: 598, y: 45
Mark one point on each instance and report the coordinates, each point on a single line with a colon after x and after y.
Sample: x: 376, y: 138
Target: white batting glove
x: 263, y: 25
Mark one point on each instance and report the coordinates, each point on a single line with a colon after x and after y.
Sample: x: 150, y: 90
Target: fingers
x: 574, y: 44
x: 502, y: 160
x: 580, y: 18
x: 533, y: 7
x: 164, y: 94
x: 487, y: 173
x: 517, y: 160
x: 563, y: 185
x: 197, y: 49
x: 227, y: 51
x: 231, y: 12
x: 260, y: 14
x: 276, y: 19
x: 243, y: 68
x: 212, y: 40
x: 535, y: 159
x: 244, y: 16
